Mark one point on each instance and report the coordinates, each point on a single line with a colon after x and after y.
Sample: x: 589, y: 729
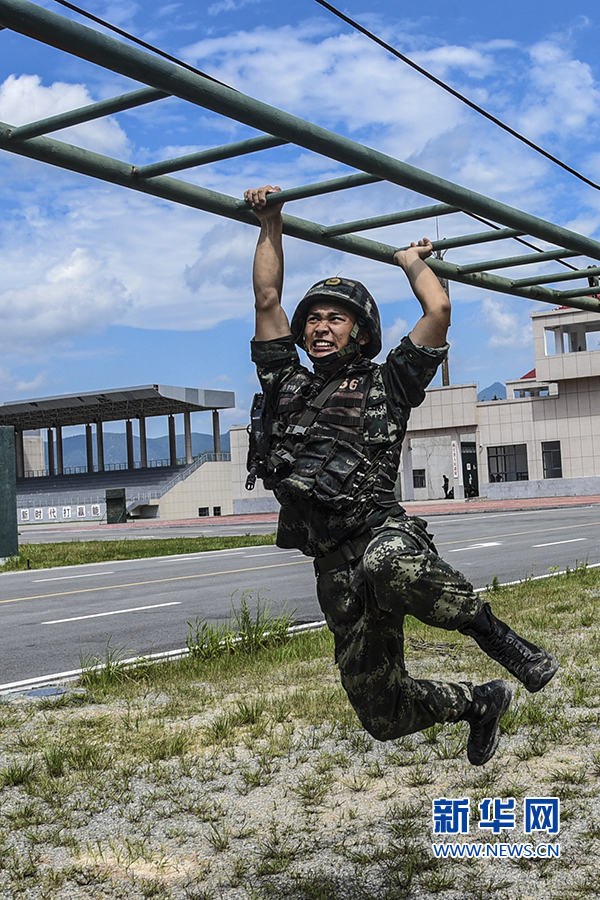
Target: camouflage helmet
x: 352, y: 294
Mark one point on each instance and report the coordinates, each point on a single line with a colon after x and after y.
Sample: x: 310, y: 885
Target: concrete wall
x: 434, y: 455
x: 209, y: 486
x: 450, y: 407
x: 243, y: 501
x: 570, y: 327
x: 572, y: 417
x: 548, y: 487
x: 70, y: 511
x: 568, y: 376
x: 34, y: 459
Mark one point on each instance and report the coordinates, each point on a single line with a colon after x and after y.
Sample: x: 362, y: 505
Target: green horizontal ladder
x: 162, y: 79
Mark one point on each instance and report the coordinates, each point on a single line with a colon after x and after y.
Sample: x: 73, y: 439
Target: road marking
x: 114, y: 587
x: 519, y: 533
x: 114, y: 612
x: 476, y: 547
x: 252, y: 555
x: 554, y: 543
x: 264, y: 553
x: 65, y: 577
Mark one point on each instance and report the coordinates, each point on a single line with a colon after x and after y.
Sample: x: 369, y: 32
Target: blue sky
x: 101, y: 287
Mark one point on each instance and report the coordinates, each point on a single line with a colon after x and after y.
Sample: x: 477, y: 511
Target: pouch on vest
x: 328, y: 470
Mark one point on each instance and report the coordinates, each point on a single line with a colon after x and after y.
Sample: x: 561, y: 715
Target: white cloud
x: 74, y: 296
x: 540, y: 90
x: 322, y: 78
x: 228, y: 6
x: 392, y: 336
x: 563, y: 95
x: 506, y: 328
x: 168, y: 9
x: 120, y: 13
x: 11, y: 384
x: 442, y: 61
x: 25, y: 99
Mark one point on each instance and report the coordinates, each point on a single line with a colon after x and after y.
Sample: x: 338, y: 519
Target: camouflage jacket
x: 338, y: 479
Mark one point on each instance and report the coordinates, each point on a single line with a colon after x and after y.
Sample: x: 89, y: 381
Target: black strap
x: 348, y: 552
x: 311, y: 412
x: 315, y: 406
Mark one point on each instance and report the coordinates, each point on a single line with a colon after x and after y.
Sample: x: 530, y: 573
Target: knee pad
x: 390, y: 557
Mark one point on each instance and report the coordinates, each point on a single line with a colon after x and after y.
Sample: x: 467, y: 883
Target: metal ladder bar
x: 323, y: 187
x: 528, y: 259
x: 114, y: 171
x: 398, y: 218
x: 467, y: 240
x: 203, y: 157
x: 560, y: 276
x: 84, y: 42
x: 87, y: 113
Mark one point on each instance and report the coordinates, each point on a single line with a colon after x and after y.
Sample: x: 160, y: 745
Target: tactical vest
x: 333, y: 445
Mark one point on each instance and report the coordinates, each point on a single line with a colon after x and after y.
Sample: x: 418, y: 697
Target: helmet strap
x: 338, y: 358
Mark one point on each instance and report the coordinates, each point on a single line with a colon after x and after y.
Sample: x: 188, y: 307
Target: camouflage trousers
x: 365, y: 603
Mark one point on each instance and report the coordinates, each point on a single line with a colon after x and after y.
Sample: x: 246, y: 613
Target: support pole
x: 216, y: 431
x: 9, y: 536
x: 89, y: 448
x: 100, y: 446
x: 50, y: 445
x: 172, y: 442
x: 87, y: 113
x: 187, y: 430
x: 129, y: 440
x: 59, y: 451
x: 19, y: 454
x: 143, y: 443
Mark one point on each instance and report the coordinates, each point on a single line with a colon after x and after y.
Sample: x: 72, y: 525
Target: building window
x: 204, y: 511
x: 216, y: 510
x: 419, y: 478
x: 592, y: 340
x: 508, y: 463
x: 551, y: 459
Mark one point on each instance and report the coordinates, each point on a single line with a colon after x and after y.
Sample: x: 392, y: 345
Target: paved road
x: 51, y: 534
x: 517, y: 544
x: 51, y: 617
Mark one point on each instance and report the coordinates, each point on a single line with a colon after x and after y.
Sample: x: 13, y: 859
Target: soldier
x: 334, y: 440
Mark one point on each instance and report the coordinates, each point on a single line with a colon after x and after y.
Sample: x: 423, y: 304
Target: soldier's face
x: 328, y: 328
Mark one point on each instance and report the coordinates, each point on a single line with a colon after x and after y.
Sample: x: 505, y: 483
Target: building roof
x: 111, y: 406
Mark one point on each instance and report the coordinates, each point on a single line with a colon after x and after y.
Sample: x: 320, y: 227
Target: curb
x: 29, y: 686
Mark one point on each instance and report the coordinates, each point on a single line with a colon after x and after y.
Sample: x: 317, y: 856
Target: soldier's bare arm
x: 267, y: 274
x: 432, y: 328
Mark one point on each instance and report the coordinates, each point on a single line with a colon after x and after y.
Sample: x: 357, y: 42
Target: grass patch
x: 243, y: 767
x: 76, y: 552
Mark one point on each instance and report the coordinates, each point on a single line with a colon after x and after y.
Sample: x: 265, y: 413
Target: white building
x: 539, y: 442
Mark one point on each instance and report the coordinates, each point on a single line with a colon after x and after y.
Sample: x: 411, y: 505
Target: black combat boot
x: 533, y: 666
x: 490, y: 702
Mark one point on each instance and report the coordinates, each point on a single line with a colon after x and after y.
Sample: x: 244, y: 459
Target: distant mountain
x: 495, y: 391
x: 115, y: 447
